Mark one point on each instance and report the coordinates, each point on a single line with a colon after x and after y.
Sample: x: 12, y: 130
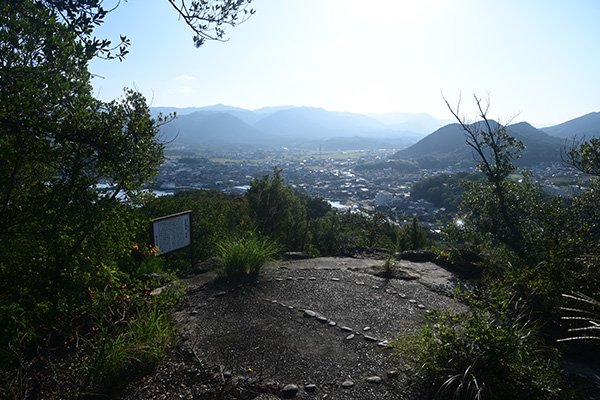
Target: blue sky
x: 539, y: 61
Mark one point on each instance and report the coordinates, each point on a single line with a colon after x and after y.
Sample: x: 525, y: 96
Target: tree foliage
x: 538, y: 246
x: 57, y: 142
x: 276, y: 210
x: 444, y: 190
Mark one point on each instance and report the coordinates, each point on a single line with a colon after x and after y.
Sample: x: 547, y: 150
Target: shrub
x: 245, y: 255
x: 482, y: 355
x: 123, y: 348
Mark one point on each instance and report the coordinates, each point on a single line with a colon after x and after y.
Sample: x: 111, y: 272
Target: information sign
x: 172, y: 232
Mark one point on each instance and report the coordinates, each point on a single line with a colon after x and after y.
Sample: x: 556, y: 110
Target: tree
x: 494, y: 149
x: 413, y: 236
x: 57, y: 143
x: 276, y: 210
x: 207, y: 17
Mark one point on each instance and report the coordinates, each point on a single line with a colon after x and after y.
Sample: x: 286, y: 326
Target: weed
x: 389, y: 266
x: 483, y: 355
x: 245, y: 255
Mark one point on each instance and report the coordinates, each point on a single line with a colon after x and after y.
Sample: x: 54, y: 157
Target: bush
x: 246, y: 255
x: 482, y: 355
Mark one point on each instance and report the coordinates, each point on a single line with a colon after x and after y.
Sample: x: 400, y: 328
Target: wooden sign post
x: 173, y: 232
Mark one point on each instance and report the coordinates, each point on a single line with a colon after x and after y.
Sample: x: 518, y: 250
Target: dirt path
x: 319, y: 325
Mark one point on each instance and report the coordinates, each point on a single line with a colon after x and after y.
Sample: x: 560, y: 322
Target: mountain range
x: 225, y: 127
x: 421, y: 137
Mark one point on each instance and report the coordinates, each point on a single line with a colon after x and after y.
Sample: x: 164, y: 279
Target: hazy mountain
x: 446, y: 147
x: 213, y: 130
x: 584, y: 127
x: 419, y: 123
x: 220, y: 125
x: 317, y: 123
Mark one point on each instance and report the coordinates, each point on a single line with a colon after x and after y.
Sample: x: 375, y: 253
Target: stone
x: 226, y: 374
x: 194, y: 312
x: 350, y: 336
x: 322, y: 319
x: 383, y: 343
x: 346, y: 329
x: 279, y: 280
x: 220, y: 294
x: 412, y: 301
x: 157, y: 291
x: 360, y: 283
x: 290, y: 278
x: 310, y: 314
x: 289, y: 391
x: 311, y: 387
x: 370, y: 339
x: 331, y: 323
x: 420, y: 306
x: 367, y: 328
x: 312, y: 278
x: 347, y: 384
x: 374, y: 380
x: 335, y: 279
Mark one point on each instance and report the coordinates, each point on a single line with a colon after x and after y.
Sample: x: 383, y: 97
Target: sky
x: 536, y: 61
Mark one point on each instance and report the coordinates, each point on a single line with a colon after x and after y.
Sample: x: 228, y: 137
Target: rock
x: 350, y: 336
x: 296, y: 255
x: 367, y: 328
x: 370, y: 339
x: 312, y: 278
x: 206, y: 266
x: 160, y: 278
x: 346, y: 329
x: 310, y: 388
x: 220, y: 294
x: 335, y: 279
x: 331, y: 323
x: 322, y: 319
x: 375, y: 380
x: 289, y: 391
x: 157, y: 291
x: 417, y: 255
x: 226, y: 374
x: 347, y: 384
x: 310, y: 314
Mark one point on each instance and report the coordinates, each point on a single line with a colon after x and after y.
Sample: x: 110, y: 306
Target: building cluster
x: 334, y: 178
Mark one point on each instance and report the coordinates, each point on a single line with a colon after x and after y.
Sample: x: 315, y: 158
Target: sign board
x: 172, y: 232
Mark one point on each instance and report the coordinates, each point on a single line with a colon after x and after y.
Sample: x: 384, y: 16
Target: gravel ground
x: 288, y: 327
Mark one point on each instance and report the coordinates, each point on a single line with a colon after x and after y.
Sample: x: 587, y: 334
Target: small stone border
x: 290, y: 390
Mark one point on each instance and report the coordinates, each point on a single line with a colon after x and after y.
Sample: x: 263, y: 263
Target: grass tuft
x: 245, y: 255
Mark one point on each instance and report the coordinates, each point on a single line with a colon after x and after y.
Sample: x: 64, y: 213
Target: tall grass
x: 482, y: 355
x: 245, y: 255
x: 123, y: 350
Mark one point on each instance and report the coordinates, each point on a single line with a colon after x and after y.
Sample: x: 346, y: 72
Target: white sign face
x: 172, y: 233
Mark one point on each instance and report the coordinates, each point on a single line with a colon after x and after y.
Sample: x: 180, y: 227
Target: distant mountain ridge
x: 585, y: 127
x: 280, y: 126
x: 225, y: 127
x: 446, y: 147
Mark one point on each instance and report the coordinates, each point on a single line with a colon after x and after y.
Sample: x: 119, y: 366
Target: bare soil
x: 289, y: 325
